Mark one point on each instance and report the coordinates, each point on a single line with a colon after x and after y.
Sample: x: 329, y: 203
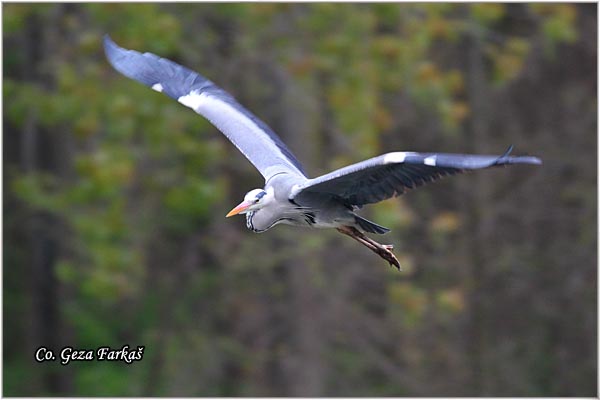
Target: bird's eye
x: 260, y: 196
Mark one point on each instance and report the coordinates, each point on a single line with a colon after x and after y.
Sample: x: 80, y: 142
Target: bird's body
x: 311, y: 211
x: 289, y: 195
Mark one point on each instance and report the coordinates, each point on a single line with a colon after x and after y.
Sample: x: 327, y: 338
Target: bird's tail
x: 369, y: 226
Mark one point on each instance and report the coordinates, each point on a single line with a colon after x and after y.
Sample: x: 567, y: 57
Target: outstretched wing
x: 391, y: 174
x: 250, y: 135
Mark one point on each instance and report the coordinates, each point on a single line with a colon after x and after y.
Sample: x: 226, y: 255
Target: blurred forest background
x: 115, y: 196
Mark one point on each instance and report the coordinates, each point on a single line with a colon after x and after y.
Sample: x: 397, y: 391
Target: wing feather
x: 391, y: 174
x: 250, y: 135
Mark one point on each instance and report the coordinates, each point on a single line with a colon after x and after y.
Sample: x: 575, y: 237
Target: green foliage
x: 488, y: 13
x: 130, y: 188
x: 558, y: 22
x: 410, y: 302
x: 105, y: 379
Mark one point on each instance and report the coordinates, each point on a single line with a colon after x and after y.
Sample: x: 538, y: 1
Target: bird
x: 289, y: 196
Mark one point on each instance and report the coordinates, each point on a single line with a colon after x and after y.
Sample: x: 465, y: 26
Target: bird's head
x: 253, y: 200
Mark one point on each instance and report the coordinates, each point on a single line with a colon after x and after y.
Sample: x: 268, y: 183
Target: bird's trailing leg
x: 383, y: 250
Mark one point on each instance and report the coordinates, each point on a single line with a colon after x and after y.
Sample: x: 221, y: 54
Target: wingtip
x: 112, y: 51
x: 536, y: 161
x: 518, y: 159
x: 508, y: 151
x: 527, y: 160
x: 108, y: 43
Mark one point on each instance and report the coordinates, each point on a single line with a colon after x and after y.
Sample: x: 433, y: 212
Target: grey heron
x: 289, y: 195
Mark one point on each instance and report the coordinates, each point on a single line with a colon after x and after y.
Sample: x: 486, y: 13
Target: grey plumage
x: 376, y: 179
x: 289, y: 196
x: 248, y: 133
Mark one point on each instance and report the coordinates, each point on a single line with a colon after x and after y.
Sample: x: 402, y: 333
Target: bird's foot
x: 385, y: 252
x: 382, y: 250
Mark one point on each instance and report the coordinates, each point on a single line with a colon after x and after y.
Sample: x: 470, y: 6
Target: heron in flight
x: 289, y: 195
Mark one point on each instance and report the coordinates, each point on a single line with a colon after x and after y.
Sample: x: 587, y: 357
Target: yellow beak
x: 238, y: 209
